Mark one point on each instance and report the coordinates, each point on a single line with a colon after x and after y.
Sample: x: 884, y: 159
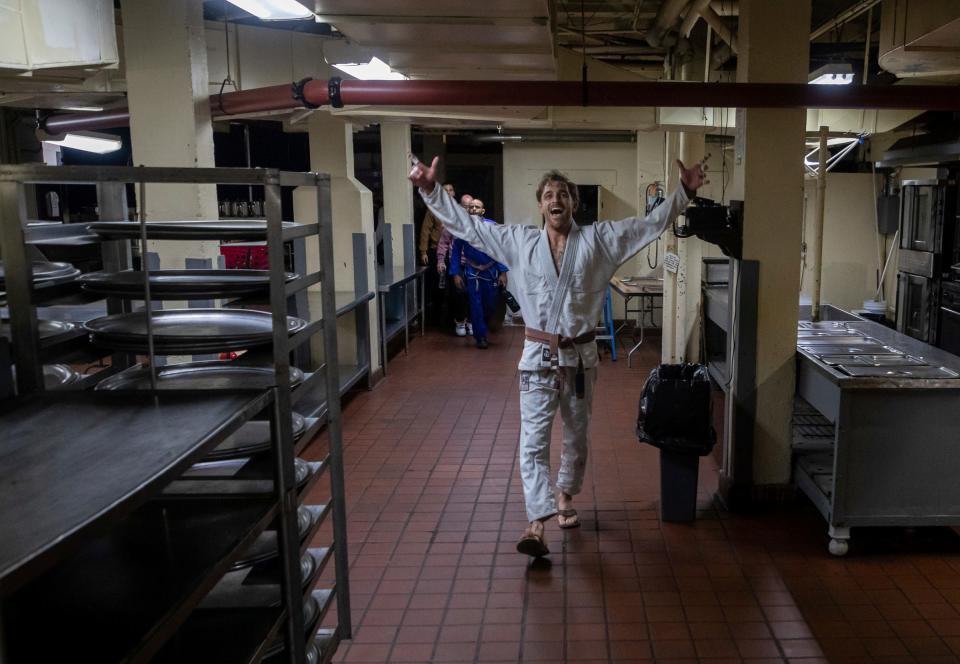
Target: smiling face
x: 557, y: 205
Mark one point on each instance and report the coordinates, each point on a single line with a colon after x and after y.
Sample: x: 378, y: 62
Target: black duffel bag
x: 674, y: 412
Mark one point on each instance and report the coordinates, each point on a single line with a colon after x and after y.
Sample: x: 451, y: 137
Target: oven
x: 916, y: 306
x: 926, y: 216
x: 949, y: 337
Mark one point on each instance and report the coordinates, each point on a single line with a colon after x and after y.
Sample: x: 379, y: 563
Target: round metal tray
x: 46, y: 329
x: 252, y: 438
x: 177, y: 284
x: 44, y: 271
x: 265, y: 546
x: 56, y: 376
x: 188, y: 330
x: 209, y: 375
x: 250, y: 229
x: 311, y: 611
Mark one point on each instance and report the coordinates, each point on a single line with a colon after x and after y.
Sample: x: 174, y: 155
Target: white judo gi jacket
x: 591, y: 257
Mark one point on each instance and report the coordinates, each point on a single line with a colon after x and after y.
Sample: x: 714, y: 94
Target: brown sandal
x: 568, y: 514
x: 532, y: 545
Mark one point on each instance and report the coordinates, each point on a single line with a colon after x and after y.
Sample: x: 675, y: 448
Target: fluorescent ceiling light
x: 83, y: 108
x: 274, y: 10
x: 833, y: 74
x: 375, y: 70
x: 89, y: 141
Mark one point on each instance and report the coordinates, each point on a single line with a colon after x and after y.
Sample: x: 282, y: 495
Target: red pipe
x: 550, y: 93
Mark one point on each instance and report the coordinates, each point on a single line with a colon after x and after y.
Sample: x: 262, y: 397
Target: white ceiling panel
x: 430, y: 8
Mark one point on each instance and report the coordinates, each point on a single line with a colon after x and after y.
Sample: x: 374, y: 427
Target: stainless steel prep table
x: 878, y: 450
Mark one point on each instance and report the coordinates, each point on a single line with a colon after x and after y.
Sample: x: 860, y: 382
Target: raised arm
x: 623, y: 239
x: 499, y: 242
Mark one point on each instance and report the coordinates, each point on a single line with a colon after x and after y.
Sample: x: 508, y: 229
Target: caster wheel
x: 839, y: 547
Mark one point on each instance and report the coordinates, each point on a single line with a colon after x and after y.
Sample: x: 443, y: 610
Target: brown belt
x: 556, y: 341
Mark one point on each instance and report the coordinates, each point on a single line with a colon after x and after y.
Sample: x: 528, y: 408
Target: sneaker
x: 469, y: 329
x: 482, y: 343
x: 461, y: 329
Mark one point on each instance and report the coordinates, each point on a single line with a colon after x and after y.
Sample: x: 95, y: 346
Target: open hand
x: 694, y: 177
x: 423, y: 177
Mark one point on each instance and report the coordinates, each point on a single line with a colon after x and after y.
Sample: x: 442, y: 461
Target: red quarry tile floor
x: 435, y: 510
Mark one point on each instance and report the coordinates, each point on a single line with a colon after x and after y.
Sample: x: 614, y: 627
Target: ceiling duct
x: 923, y: 150
x: 920, y: 38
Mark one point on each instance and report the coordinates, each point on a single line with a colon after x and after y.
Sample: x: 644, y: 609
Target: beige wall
x: 850, y: 247
x: 623, y: 170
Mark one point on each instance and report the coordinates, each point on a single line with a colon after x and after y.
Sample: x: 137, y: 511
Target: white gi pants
x: 540, y: 395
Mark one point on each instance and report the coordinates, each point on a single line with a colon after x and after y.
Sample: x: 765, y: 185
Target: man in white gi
x: 560, y: 276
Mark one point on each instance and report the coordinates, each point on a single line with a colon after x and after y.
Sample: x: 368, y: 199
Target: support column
x: 395, y: 150
x: 167, y: 92
x: 671, y: 180
x: 331, y: 151
x: 774, y: 47
x: 690, y: 251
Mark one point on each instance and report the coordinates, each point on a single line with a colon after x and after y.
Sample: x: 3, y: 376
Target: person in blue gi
x: 480, y: 275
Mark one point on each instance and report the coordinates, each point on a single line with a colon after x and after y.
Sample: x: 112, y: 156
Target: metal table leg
x: 423, y: 303
x: 639, y: 313
x: 383, y: 333
x: 406, y: 320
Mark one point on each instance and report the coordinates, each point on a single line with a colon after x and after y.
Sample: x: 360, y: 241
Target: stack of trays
x: 180, y: 284
x: 251, y: 438
x: 187, y: 331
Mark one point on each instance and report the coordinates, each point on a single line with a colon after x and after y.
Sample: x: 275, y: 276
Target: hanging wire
x: 229, y: 79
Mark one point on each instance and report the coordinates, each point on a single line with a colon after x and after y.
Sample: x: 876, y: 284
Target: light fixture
x: 832, y: 74
x: 91, y: 109
x: 375, y: 70
x: 89, y: 141
x: 274, y: 10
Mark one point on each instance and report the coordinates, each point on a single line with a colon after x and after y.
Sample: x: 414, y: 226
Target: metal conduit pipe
x: 316, y: 93
x: 667, y: 17
x: 692, y: 15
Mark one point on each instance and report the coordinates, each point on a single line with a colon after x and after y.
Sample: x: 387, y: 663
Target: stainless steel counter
x: 890, y: 442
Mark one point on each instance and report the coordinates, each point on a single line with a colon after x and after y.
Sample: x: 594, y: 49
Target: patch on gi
x: 524, y: 381
x: 546, y: 354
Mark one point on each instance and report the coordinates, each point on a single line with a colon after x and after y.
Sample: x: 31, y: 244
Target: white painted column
x: 671, y: 180
x: 395, y: 148
x: 774, y: 47
x: 167, y: 92
x: 331, y: 151
x: 690, y: 251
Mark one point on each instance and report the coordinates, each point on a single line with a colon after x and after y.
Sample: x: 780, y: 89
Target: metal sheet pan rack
x: 166, y: 525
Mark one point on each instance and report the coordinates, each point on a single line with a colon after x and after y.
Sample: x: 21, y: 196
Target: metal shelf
x: 126, y: 592
x: 159, y: 573
x: 75, y: 459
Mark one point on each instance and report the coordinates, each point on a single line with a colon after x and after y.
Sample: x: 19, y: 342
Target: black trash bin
x: 674, y: 415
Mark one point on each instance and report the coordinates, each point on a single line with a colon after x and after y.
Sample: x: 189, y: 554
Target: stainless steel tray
x: 899, y: 372
x: 45, y: 270
x: 265, y: 546
x: 188, y: 330
x: 46, y: 329
x: 252, y: 438
x: 873, y: 360
x: 210, y: 375
x: 250, y: 229
x: 177, y: 284
x: 835, y: 339
x: 851, y: 349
